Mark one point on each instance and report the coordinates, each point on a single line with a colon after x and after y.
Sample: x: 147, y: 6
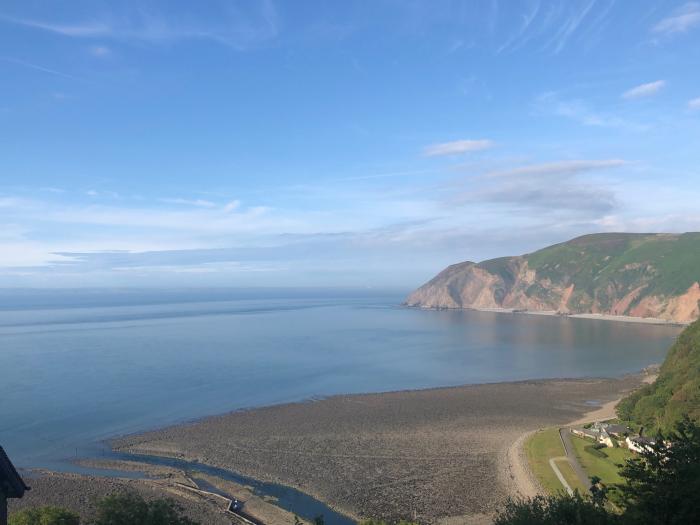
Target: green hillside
x: 669, y: 261
x: 675, y: 394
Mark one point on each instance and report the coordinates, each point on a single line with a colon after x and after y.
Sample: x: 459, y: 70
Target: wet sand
x: 440, y: 455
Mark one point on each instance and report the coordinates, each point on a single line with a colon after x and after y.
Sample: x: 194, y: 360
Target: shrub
x: 595, y: 451
x: 44, y: 516
x: 554, y: 510
x: 131, y: 509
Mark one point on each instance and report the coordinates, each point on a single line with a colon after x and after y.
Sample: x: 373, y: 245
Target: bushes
x: 555, y: 510
x: 595, y: 450
x: 120, y: 509
x: 44, y: 516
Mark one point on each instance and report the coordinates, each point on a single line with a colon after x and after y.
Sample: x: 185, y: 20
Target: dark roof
x: 11, y: 484
x: 617, y: 429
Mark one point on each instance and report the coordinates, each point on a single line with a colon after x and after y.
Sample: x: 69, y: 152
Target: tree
x: 132, y: 509
x: 662, y: 485
x: 599, y: 492
x: 44, y: 516
x: 555, y: 510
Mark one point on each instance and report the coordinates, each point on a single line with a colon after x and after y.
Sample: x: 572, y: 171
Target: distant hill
x: 635, y: 274
x: 676, y: 392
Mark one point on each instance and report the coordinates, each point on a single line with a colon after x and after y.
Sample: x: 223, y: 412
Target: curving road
x: 565, y: 435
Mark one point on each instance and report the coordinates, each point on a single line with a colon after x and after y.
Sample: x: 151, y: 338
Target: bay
x: 80, y: 367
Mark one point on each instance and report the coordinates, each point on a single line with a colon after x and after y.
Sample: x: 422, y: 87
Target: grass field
x: 605, y: 468
x: 541, y: 446
x: 570, y: 476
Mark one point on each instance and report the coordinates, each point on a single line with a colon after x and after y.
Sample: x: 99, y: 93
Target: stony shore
x: 439, y: 456
x: 554, y: 313
x: 80, y: 493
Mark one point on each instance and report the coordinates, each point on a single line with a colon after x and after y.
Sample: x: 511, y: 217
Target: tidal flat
x: 439, y: 455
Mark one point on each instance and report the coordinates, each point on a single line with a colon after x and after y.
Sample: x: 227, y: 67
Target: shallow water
x: 286, y: 497
x: 122, y: 363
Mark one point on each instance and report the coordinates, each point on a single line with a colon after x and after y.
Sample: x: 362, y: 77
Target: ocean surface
x: 80, y: 367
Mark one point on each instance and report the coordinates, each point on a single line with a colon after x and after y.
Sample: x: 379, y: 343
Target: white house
x: 639, y: 443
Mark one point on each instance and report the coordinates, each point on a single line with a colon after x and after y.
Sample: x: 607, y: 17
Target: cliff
x: 635, y: 274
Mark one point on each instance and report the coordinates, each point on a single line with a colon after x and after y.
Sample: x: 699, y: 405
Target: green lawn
x: 541, y: 446
x: 605, y: 468
x: 570, y: 476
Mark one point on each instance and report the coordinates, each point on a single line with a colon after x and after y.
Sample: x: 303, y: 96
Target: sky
x: 358, y: 144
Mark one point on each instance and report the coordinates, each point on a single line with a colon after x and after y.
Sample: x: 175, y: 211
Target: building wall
x: 3, y: 509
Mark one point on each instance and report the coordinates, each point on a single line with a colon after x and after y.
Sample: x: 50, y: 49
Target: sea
x: 78, y: 367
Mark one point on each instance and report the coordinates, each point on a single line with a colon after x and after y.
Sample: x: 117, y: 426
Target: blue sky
x: 302, y: 143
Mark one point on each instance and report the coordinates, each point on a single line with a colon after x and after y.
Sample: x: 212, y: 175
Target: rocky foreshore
x: 439, y: 455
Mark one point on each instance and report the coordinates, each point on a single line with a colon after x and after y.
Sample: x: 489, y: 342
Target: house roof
x: 588, y: 432
x: 11, y: 483
x: 643, y: 440
x: 617, y: 429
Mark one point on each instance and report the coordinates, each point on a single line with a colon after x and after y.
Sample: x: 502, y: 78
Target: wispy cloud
x: 644, y: 90
x: 457, y: 147
x: 550, y: 188
x: 694, y: 103
x: 681, y: 20
x: 232, y: 206
x: 37, y: 67
x: 88, y: 29
x: 199, y: 203
x: 237, y: 25
x: 100, y: 51
x: 568, y: 27
x: 563, y: 168
x: 581, y: 112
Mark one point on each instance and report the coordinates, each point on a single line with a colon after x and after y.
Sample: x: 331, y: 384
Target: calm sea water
x: 121, y: 362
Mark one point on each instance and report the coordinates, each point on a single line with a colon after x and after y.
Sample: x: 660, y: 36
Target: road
x: 565, y: 435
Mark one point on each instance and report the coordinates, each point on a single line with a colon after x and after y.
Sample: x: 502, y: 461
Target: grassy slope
x: 570, y: 476
x: 597, y: 264
x: 605, y: 468
x: 541, y: 446
x: 676, y: 392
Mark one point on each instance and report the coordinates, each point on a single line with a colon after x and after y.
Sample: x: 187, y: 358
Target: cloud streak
x: 237, y: 25
x: 552, y: 188
x: 37, y: 67
x: 644, y: 90
x: 681, y: 20
x: 456, y: 147
x: 562, y: 168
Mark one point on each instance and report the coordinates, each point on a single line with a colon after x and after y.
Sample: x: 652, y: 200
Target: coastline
x: 555, y: 313
x: 526, y: 484
x: 453, y: 454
